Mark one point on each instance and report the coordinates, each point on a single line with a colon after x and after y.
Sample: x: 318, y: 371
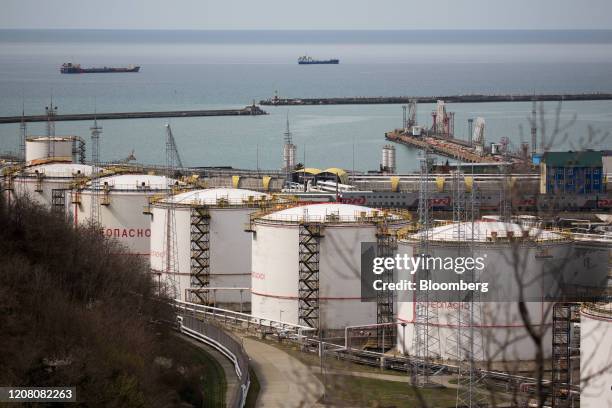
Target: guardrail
x: 231, y: 348
x: 300, y: 335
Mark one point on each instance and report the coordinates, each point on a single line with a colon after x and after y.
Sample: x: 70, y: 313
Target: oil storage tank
x: 210, y: 250
x: 122, y: 200
x: 595, y: 355
x: 511, y: 256
x: 46, y: 184
x: 56, y: 148
x: 307, y: 263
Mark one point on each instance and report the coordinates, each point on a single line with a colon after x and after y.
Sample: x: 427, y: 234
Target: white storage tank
x: 47, y: 184
x: 507, y: 249
x: 58, y: 148
x: 213, y: 220
x: 122, y: 200
x: 596, y: 355
x: 339, y: 230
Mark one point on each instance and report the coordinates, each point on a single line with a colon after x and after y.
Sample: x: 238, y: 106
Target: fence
x: 227, y: 345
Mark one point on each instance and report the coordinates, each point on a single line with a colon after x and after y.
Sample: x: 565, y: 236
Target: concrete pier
x: 472, y: 98
x: 247, y: 111
x: 440, y: 147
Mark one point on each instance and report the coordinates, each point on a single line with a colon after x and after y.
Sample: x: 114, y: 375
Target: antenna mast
x: 289, y: 151
x: 427, y: 336
x: 51, y: 112
x: 171, y: 253
x: 534, y: 129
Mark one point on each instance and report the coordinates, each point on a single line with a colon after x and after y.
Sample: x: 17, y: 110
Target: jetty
x: 468, y: 98
x: 250, y: 110
x: 442, y: 147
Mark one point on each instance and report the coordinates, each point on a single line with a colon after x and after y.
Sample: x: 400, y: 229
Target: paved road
x: 285, y: 381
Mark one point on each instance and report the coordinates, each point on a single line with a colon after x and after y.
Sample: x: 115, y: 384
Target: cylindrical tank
x: 289, y: 150
x: 596, y: 355
x: 508, y: 250
x: 44, y: 148
x: 214, y: 220
x: 338, y: 230
x: 48, y: 184
x: 122, y: 200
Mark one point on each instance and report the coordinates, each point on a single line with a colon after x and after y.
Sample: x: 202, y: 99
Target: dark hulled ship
x: 70, y: 68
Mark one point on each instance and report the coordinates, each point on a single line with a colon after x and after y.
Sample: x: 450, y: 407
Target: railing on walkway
x: 304, y: 337
x: 227, y: 345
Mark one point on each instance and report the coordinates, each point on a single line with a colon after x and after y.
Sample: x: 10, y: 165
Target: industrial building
x: 117, y: 202
x: 572, y: 173
x: 210, y: 252
x: 509, y: 250
x: 306, y: 264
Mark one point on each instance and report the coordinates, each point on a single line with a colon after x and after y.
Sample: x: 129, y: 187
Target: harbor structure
x: 251, y: 110
x: 467, y: 98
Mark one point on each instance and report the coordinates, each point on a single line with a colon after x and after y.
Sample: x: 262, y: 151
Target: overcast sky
x: 307, y: 14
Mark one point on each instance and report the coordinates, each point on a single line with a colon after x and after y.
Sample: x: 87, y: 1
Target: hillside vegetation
x: 76, y: 310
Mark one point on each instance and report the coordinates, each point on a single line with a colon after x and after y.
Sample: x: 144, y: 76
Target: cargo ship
x: 306, y: 60
x: 70, y: 68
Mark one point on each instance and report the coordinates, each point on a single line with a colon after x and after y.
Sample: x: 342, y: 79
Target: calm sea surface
x: 198, y: 70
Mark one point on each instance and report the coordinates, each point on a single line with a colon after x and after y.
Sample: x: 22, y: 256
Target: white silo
x: 510, y: 254
x: 388, y: 159
x: 595, y: 355
x: 122, y: 200
x: 47, y: 184
x: 58, y: 148
x: 211, y: 247
x: 322, y: 238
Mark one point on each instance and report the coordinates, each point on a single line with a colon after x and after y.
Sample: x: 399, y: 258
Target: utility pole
x: 51, y: 112
x: 96, y: 131
x: 534, y: 129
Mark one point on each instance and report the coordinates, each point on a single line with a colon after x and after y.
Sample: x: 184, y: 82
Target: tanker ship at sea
x: 70, y: 68
x: 306, y: 60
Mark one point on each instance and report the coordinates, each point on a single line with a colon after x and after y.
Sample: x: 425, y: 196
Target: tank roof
x: 212, y: 196
x: 60, y: 169
x: 54, y: 138
x: 136, y: 181
x: 486, y: 231
x: 327, y: 213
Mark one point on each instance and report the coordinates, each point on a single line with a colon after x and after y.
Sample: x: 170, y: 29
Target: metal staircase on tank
x: 39, y: 179
x: 200, y: 256
x: 78, y: 150
x: 564, y: 317
x: 308, y: 286
x: 386, y: 245
x: 58, y: 199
